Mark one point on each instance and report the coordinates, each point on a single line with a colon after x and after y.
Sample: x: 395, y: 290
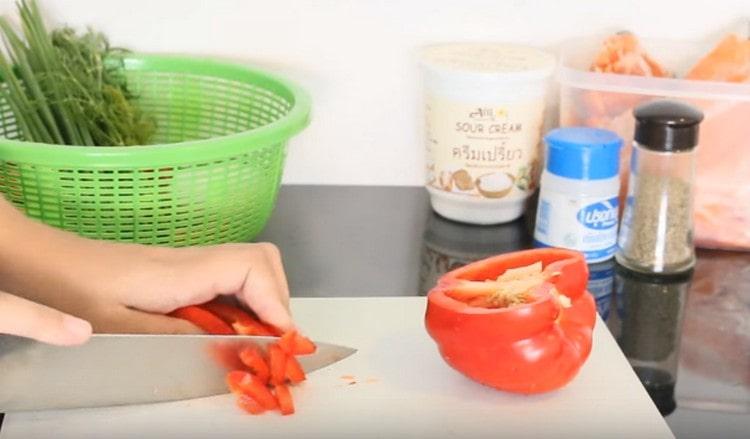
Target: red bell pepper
x: 203, y: 319
x: 293, y: 343
x: 528, y: 334
x: 277, y: 364
x: 253, y: 387
x: 293, y: 370
x: 242, y: 322
x: 249, y: 404
x: 284, y: 399
x: 253, y: 359
x: 246, y: 383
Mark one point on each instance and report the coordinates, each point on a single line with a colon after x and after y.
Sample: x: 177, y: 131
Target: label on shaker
x: 586, y: 224
x: 483, y: 151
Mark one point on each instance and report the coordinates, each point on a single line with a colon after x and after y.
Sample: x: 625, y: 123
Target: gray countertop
x: 345, y: 241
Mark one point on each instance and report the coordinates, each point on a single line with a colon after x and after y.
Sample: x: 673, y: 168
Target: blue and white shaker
x: 578, y: 198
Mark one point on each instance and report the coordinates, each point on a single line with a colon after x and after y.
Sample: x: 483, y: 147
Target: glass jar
x: 656, y: 233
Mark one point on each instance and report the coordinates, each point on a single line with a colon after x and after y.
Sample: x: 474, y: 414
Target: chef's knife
x: 127, y: 369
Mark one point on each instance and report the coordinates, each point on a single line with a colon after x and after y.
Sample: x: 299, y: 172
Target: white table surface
x: 402, y: 389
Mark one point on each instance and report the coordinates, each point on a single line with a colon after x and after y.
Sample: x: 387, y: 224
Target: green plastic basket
x: 212, y: 176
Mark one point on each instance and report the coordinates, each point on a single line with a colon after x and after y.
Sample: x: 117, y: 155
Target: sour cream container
x: 484, y: 109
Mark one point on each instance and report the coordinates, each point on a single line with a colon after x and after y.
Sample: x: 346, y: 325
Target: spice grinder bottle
x: 656, y: 232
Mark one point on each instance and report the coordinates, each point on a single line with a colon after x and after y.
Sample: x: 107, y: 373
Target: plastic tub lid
x: 488, y: 59
x: 583, y: 153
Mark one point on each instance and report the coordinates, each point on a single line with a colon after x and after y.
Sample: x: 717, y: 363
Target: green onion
x: 67, y: 88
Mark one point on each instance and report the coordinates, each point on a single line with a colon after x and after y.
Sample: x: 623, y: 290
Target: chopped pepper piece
x: 249, y: 404
x: 277, y: 362
x: 253, y: 359
x: 254, y: 395
x: 284, y: 398
x: 293, y: 343
x: 240, y: 381
x: 293, y: 370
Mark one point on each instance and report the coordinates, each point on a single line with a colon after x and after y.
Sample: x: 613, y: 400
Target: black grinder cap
x: 667, y: 126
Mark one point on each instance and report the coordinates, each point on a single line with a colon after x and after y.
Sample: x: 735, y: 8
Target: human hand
x: 28, y: 319
x: 127, y: 288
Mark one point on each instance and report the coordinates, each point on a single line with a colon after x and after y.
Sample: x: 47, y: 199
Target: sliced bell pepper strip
x: 293, y: 343
x: 251, y: 387
x: 203, y: 319
x: 303, y: 345
x: 286, y: 342
x: 253, y: 359
x: 249, y: 404
x: 293, y: 370
x: 227, y: 355
x: 284, y: 398
x: 240, y: 381
x: 277, y: 363
x: 535, y: 342
x: 242, y: 322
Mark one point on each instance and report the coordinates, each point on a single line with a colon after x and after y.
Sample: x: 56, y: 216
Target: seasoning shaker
x: 578, y: 204
x: 656, y: 232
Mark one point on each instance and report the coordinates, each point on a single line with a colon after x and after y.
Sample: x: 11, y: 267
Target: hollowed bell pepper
x: 528, y: 333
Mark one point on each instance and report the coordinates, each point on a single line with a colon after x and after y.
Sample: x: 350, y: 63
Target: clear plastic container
x: 722, y: 178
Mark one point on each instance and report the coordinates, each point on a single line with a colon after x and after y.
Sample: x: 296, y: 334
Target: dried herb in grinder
x: 656, y: 234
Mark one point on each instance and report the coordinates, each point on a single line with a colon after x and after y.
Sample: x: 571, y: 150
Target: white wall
x: 356, y: 57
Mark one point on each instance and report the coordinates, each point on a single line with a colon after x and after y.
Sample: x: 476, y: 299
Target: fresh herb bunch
x: 66, y: 88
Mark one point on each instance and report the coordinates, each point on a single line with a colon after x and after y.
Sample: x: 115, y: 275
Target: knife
x: 119, y: 369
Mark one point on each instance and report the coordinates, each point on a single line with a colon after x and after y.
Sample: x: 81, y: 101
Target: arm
x: 120, y: 287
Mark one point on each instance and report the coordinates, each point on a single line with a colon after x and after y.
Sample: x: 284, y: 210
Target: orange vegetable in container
x: 728, y: 62
x: 607, y: 100
x: 622, y: 53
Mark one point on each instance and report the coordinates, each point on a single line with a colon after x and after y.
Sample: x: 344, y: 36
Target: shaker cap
x: 667, y: 126
x: 583, y: 153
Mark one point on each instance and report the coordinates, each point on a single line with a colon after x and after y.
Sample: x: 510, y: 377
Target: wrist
x: 30, y: 252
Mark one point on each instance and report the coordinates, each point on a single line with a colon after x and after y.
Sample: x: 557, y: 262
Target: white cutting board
x: 402, y: 388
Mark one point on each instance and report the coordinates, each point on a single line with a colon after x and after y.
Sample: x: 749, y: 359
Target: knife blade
x: 119, y: 369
